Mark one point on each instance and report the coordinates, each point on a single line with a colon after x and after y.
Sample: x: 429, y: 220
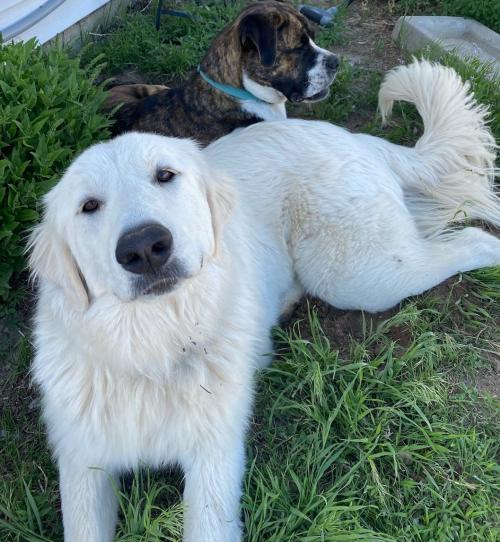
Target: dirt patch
x: 339, y: 326
x: 367, y: 36
x: 489, y: 381
x: 367, y: 44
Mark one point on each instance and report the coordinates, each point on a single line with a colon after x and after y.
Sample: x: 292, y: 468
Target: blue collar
x: 239, y: 93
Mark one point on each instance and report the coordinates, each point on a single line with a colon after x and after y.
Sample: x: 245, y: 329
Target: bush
x: 49, y: 112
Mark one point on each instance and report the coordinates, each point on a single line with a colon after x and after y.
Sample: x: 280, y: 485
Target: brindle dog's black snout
x: 144, y: 249
x: 332, y: 63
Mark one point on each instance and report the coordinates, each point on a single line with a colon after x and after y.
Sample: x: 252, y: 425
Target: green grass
x: 335, y: 34
x: 369, y: 446
x: 132, y: 42
x: 383, y: 437
x: 380, y: 443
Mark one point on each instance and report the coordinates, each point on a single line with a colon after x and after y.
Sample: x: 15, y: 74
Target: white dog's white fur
x: 358, y: 221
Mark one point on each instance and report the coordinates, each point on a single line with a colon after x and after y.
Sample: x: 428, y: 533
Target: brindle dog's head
x: 272, y: 46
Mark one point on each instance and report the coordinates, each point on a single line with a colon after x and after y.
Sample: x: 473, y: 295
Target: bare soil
x: 368, y: 39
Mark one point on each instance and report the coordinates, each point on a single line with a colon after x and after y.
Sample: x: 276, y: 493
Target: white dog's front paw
x: 484, y: 248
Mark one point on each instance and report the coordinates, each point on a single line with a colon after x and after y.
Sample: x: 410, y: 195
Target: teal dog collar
x: 239, y: 93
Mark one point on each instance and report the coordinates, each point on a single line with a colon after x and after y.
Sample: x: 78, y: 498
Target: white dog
x: 160, y: 280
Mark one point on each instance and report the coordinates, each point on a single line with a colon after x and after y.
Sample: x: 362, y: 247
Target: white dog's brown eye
x: 90, y: 206
x: 165, y: 175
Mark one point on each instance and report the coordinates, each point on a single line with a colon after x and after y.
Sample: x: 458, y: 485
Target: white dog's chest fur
x: 127, y: 418
x: 131, y: 420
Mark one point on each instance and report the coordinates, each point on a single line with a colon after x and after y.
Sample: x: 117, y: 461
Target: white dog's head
x: 131, y: 217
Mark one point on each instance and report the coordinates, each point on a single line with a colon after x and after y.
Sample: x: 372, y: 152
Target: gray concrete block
x: 466, y: 37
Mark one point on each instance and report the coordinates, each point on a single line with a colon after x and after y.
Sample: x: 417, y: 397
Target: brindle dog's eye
x: 304, y: 39
x: 91, y: 206
x: 165, y: 175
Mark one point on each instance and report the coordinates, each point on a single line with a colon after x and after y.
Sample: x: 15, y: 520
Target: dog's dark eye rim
x: 293, y: 50
x: 165, y: 175
x: 91, y: 206
x: 304, y: 42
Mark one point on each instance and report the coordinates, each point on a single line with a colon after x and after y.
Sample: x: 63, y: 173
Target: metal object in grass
x: 323, y: 17
x: 160, y: 10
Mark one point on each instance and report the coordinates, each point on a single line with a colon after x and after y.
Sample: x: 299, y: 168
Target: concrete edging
x: 465, y: 37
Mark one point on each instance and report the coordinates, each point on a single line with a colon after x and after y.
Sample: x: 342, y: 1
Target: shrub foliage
x: 48, y: 113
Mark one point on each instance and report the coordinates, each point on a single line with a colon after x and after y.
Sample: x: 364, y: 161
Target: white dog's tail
x: 449, y: 173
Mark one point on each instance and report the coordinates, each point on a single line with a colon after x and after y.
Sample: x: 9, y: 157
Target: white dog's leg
x: 380, y: 280
x: 212, y: 495
x: 89, y: 504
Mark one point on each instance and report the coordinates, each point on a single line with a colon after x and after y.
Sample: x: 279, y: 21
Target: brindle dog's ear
x: 261, y: 32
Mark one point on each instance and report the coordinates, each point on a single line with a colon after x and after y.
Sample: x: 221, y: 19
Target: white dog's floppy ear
x: 221, y: 200
x: 51, y: 259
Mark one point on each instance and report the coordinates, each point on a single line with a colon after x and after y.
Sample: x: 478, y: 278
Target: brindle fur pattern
x: 131, y: 93
x: 269, y: 32
x: 294, y: 55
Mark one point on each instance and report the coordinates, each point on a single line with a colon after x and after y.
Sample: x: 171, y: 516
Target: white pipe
x: 29, y: 20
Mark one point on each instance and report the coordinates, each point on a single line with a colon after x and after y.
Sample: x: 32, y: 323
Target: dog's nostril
x: 159, y: 247
x: 131, y: 258
x: 332, y: 62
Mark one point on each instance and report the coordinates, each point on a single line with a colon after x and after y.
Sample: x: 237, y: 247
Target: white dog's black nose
x: 144, y: 249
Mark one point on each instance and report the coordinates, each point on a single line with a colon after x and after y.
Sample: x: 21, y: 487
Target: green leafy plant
x: 49, y: 112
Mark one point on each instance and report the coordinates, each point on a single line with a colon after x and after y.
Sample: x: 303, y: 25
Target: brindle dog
x: 268, y: 51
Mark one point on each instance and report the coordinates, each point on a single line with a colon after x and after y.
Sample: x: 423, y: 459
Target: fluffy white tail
x: 449, y: 174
